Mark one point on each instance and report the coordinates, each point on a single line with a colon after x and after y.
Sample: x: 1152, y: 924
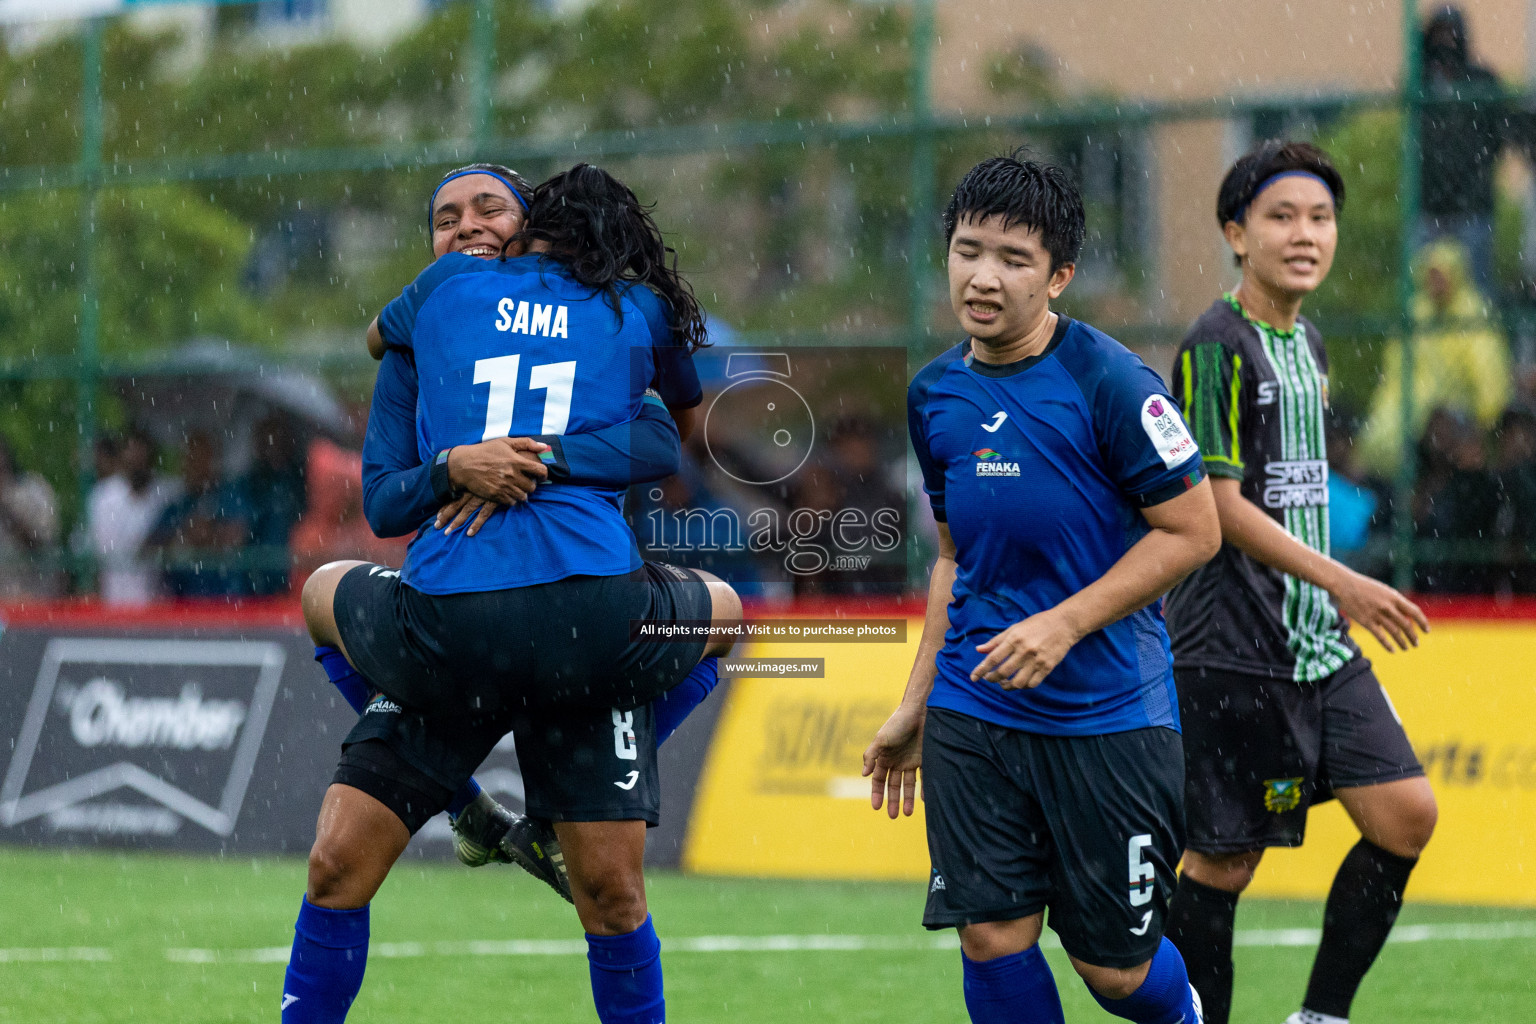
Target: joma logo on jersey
x: 991, y: 463
x: 1282, y: 795
x: 531, y: 318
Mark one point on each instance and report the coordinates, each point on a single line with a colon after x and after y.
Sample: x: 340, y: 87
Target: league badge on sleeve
x: 1165, y: 427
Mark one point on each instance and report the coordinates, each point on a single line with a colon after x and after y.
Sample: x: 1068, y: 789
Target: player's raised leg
x: 483, y: 830
x: 674, y: 706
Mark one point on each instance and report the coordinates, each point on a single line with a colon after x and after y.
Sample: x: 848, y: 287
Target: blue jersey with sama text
x: 517, y: 348
x: 1041, y: 468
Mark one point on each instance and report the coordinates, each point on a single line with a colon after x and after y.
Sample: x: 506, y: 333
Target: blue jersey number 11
x: 556, y: 379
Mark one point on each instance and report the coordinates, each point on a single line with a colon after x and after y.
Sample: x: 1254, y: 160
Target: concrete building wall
x: 365, y: 22
x: 1192, y: 50
x: 375, y: 22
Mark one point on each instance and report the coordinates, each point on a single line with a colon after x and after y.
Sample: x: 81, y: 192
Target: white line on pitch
x: 1267, y: 938
x: 43, y: 954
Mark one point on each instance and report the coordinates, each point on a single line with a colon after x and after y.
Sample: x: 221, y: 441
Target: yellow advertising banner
x: 781, y: 793
x: 1467, y: 697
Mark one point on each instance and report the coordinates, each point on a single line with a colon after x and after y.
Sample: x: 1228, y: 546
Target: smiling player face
x: 1288, y: 238
x: 1001, y: 281
x: 475, y: 214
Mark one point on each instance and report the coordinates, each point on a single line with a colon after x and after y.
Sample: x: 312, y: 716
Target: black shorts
x: 1088, y: 826
x: 578, y: 764
x: 560, y: 644
x: 1260, y: 751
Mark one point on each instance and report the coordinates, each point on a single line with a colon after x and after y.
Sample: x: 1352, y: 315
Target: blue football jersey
x: 515, y: 348
x: 1041, y: 468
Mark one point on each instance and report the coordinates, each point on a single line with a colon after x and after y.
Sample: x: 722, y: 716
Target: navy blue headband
x: 432, y: 203
x: 1242, y: 213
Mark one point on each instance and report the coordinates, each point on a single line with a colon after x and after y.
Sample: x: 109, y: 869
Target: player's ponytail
x: 594, y: 225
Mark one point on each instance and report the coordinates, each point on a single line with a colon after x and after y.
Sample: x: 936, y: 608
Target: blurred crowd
x: 835, y: 525
x: 1471, y: 435
x: 174, y: 521
x: 1472, y: 439
x: 191, y: 514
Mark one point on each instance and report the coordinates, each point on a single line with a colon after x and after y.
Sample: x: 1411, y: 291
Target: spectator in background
x: 1351, y: 504
x: 821, y: 491
x: 1514, y: 473
x: 123, y: 510
x: 1456, y: 500
x: 869, y: 479
x: 1461, y: 130
x: 106, y: 456
x: 201, y: 533
x: 333, y: 525
x: 29, y: 527
x: 1461, y: 361
x: 272, y: 495
x: 696, y: 518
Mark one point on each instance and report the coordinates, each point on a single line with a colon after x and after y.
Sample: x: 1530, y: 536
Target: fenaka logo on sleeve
x: 1165, y: 428
x: 135, y: 737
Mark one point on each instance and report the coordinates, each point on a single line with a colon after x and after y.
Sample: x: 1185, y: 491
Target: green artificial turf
x: 131, y: 909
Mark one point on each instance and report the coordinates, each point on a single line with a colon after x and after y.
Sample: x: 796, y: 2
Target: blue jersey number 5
x: 556, y: 380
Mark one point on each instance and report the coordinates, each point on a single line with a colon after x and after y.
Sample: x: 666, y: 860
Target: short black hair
x: 1022, y: 191
x: 1264, y: 161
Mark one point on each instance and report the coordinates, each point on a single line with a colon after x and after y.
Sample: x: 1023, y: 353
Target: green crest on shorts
x: 1282, y: 794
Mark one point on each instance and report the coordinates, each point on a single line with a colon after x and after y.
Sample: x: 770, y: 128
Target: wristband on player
x: 553, y: 456
x: 442, y: 488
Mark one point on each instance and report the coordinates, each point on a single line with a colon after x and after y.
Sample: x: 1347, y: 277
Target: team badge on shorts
x: 1282, y: 795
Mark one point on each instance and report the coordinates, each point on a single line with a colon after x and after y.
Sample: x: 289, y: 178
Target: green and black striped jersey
x: 1254, y: 398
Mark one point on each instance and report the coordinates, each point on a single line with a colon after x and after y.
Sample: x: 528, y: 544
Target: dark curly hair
x: 596, y: 227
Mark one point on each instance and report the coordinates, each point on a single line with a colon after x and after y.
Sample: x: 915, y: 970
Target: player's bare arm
x: 375, y: 340
x: 897, y: 749
x: 1185, y: 534
x: 686, y: 420
x: 1391, y: 618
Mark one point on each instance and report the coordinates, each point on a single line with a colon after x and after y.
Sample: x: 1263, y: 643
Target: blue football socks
x: 354, y: 688
x: 626, y: 976
x: 678, y: 703
x: 463, y: 797
x: 1016, y: 989
x: 325, y: 969
x: 1164, y: 998
x: 356, y: 691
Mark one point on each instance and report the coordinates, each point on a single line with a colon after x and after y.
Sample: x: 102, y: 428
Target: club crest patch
x: 1281, y: 795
